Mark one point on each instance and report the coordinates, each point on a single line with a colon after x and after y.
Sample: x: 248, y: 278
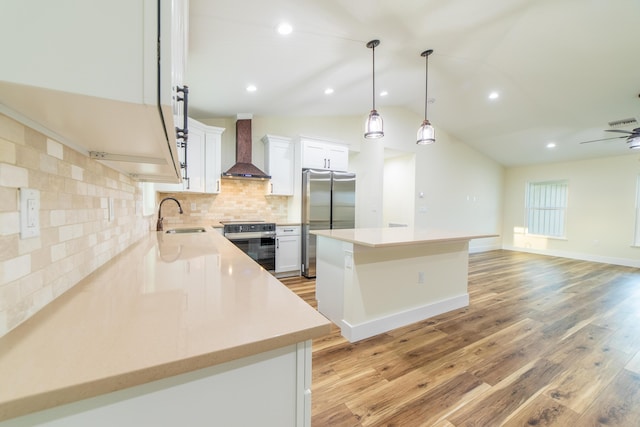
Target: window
x: 636, y: 240
x: 546, y: 208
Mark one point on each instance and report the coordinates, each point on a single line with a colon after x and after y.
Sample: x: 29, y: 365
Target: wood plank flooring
x: 544, y: 342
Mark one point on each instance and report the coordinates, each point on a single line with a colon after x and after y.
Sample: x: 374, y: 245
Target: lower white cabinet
x: 287, y: 250
x: 203, y: 161
x: 270, y: 389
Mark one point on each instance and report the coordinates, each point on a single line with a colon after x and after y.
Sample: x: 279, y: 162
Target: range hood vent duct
x: 243, y: 167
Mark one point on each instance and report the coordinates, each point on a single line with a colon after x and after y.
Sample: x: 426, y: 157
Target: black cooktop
x: 242, y: 221
x: 247, y: 226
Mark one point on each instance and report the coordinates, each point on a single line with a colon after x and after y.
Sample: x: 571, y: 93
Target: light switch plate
x: 112, y: 213
x: 29, y: 213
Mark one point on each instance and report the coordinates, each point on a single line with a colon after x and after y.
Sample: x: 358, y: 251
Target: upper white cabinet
x: 99, y: 76
x: 212, y: 156
x: 318, y: 154
x: 203, y: 171
x: 279, y: 163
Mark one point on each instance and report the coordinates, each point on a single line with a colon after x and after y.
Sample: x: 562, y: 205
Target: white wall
x: 600, y: 214
x: 399, y: 189
x: 369, y: 167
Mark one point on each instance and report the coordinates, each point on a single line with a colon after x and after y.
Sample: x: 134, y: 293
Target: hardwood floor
x: 544, y: 342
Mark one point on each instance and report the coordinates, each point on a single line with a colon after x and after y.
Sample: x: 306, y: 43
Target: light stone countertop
x: 396, y: 236
x: 171, y: 303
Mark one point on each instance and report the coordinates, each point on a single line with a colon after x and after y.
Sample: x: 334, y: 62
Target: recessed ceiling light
x: 251, y: 88
x: 384, y: 93
x: 328, y: 91
x: 285, y: 29
x: 551, y: 145
x: 494, y: 95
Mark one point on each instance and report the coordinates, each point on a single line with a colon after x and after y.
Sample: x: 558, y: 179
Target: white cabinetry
x: 212, y: 156
x: 270, y: 389
x: 279, y: 162
x: 203, y: 161
x: 318, y: 154
x: 98, y: 75
x: 287, y: 250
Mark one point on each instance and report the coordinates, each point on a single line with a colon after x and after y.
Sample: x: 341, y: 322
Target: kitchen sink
x: 186, y: 230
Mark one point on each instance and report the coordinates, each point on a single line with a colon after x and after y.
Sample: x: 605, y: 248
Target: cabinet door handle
x: 277, y: 243
x: 185, y: 99
x: 183, y: 133
x: 329, y: 161
x: 271, y: 188
x: 218, y: 186
x: 325, y: 163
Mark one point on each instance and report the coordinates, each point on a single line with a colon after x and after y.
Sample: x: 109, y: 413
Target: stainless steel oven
x: 256, y: 239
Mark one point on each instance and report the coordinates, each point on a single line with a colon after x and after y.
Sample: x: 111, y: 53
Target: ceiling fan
x: 633, y: 137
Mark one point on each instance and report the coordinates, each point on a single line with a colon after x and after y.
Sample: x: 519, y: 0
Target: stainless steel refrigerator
x: 328, y: 201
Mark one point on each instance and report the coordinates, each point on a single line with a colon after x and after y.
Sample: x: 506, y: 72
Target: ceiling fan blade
x: 619, y: 130
x: 604, y: 139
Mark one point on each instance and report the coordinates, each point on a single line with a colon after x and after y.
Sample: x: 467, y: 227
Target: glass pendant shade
x: 634, y: 143
x: 373, y: 126
x: 426, y: 134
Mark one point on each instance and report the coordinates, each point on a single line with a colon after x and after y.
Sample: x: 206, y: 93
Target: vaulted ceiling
x: 563, y: 69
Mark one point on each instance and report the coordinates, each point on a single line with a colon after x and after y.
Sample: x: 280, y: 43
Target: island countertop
x: 169, y: 304
x: 396, y: 236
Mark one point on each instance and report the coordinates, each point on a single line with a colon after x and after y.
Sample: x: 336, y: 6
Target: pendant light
x: 426, y: 133
x: 373, y: 126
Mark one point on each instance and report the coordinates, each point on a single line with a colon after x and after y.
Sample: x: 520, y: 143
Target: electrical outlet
x: 421, y: 277
x: 112, y: 214
x: 29, y: 213
x: 348, y: 260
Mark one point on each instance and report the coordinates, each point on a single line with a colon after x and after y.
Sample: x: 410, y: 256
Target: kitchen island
x: 372, y: 280
x: 179, y: 329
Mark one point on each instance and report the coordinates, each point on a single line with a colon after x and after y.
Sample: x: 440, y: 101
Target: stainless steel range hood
x: 243, y: 168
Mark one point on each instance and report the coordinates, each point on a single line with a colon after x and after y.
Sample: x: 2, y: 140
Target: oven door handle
x: 251, y: 235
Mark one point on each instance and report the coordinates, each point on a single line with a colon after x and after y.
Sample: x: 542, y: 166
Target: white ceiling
x: 563, y: 68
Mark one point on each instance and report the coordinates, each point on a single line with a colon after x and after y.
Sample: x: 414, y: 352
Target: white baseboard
x: 384, y: 324
x: 484, y: 248
x: 579, y: 256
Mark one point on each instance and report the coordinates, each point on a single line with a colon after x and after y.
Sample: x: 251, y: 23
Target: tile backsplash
x: 76, y: 234
x: 239, y: 199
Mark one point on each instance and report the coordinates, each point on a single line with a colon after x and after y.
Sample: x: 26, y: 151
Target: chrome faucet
x: 159, y: 226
